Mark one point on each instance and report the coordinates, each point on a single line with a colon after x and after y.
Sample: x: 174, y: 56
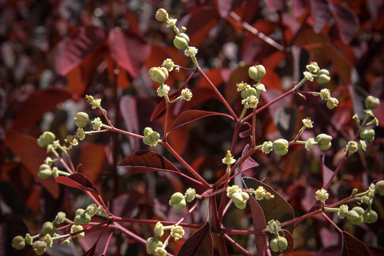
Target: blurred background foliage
x: 55, y: 52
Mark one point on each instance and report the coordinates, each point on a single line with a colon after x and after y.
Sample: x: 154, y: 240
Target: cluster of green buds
x: 325, y: 94
x: 239, y: 197
x: 278, y: 243
x: 155, y: 246
x: 260, y: 193
x: 151, y: 137
x: 178, y: 201
x: 251, y: 94
x: 321, y: 75
x: 181, y: 40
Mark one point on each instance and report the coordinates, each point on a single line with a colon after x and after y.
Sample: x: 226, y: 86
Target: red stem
x: 218, y: 94
x: 107, y: 244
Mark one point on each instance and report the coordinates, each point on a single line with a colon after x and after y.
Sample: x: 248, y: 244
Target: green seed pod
x: 147, y: 140
x: 379, y: 187
x: 325, y: 146
x: 372, y: 102
x: 323, y: 79
x: 44, y: 171
x: 355, y: 216
x: 48, y: 228
x: 261, y: 71
x: 154, y: 136
x: 179, y: 206
x: 278, y: 244
x: 237, y: 198
x: 86, y: 218
x: 176, y: 198
x: 245, y: 196
x: 39, y: 247
x: 241, y: 206
x: 82, y: 119
x: 370, y: 216
x: 181, y: 42
x: 368, y: 135
x: 252, y: 72
x: 323, y: 72
x: 151, y: 245
x: 46, y: 139
x: 80, y: 211
x: 161, y: 15
x: 280, y: 147
x: 18, y: 242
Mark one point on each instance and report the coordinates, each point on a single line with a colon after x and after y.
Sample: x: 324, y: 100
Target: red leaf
x: 347, y: 22
x: 130, y: 115
x: 31, y: 155
x: 193, y: 115
x: 275, y: 5
x: 379, y: 114
x: 200, y: 243
x: 291, y: 242
x: 298, y: 7
x: 353, y: 246
x: 249, y: 163
x: 77, y: 180
x: 276, y: 208
x: 128, y: 49
x: 217, y: 77
x: 38, y: 103
x: 73, y: 49
x: 92, y: 158
x: 148, y: 159
x: 124, y: 205
x: 226, y: 6
x: 325, y: 171
x: 199, y: 22
x: 320, y: 14
x: 230, y: 91
x: 341, y: 62
x: 91, y: 251
x: 259, y: 224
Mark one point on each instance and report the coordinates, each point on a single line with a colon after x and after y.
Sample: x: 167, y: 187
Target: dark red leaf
x: 200, y: 243
x: 259, y: 224
x: 375, y: 251
x: 325, y: 171
x: 92, y: 159
x: 275, y: 5
x: 148, y: 159
x: 291, y: 242
x: 320, y: 14
x: 130, y: 115
x: 353, y: 246
x: 379, y: 114
x: 247, y: 132
x: 128, y: 49
x: 298, y: 7
x: 342, y: 64
x: 124, y: 205
x: 32, y: 156
x: 92, y: 250
x: 77, y: 180
x: 238, y: 75
x: 276, y: 208
x: 249, y: 163
x: 38, y: 103
x: 193, y: 115
x: 226, y: 6
x: 347, y: 22
x: 199, y: 22
x: 73, y: 49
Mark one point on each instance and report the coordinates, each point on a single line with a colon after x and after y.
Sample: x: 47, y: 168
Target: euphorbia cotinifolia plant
x: 271, y: 218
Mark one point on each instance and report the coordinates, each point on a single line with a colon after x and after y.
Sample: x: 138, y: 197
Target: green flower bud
x: 278, y: 244
x: 241, y: 206
x: 86, y: 218
x: 237, y: 198
x: 60, y: 218
x: 181, y: 41
x: 324, y: 141
x: 155, y: 136
x: 257, y: 72
x: 48, y: 228
x: 379, y: 187
x: 355, y: 216
x: 323, y: 72
x: 147, y: 140
x: 39, y: 247
x: 372, y: 102
x: 78, y: 220
x: 48, y: 240
x: 161, y: 15
x: 80, y: 211
x: 352, y: 146
x: 46, y: 139
x: 370, y: 216
x: 18, y: 242
x: 177, y: 232
x: 179, y: 206
x: 159, y: 74
x: 67, y: 241
x: 280, y: 147
x: 323, y: 79
x: 152, y: 244
x: 91, y: 209
x: 44, y: 171
x: 82, y: 119
x: 313, y: 67
x: 368, y: 135
x: 28, y: 239
x: 332, y: 103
